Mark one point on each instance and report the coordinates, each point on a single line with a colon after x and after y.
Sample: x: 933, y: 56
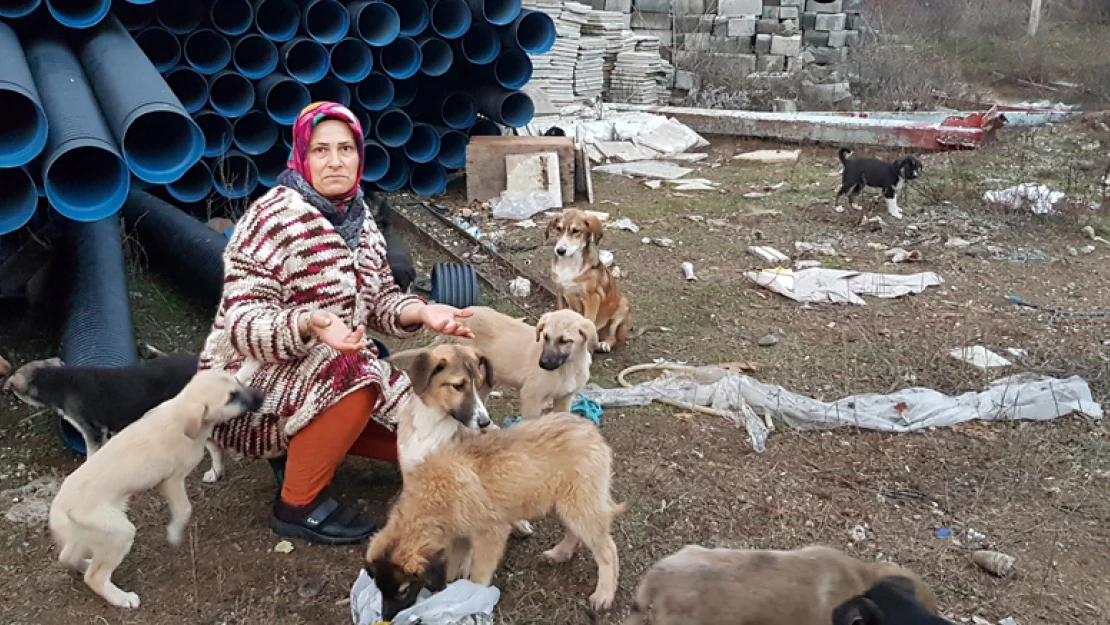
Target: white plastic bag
x: 462, y: 603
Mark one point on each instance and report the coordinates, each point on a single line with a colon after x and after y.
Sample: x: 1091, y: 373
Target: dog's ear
x: 487, y: 371
x: 422, y: 369
x: 435, y: 573
x: 556, y: 222
x: 596, y: 229
x: 589, y: 332
x: 195, y: 424
x: 540, y: 325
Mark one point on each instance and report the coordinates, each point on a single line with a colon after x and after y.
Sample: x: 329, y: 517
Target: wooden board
x: 485, y: 162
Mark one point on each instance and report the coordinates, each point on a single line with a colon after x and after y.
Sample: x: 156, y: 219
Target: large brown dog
x: 472, y: 490
x: 699, y: 586
x: 582, y: 282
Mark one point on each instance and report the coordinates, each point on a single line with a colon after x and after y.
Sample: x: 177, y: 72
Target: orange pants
x: 344, y: 429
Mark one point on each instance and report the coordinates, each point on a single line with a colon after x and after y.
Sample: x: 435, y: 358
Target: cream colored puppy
x: 548, y: 363
x: 88, y: 517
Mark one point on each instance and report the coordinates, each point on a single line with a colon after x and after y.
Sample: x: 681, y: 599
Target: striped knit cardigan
x: 284, y: 259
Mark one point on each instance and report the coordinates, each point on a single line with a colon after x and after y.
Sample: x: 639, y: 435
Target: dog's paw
x: 175, y: 536
x: 838, y: 208
x: 601, y: 602
x: 522, y: 529
x: 127, y: 600
x: 211, y: 476
x: 604, y: 347
x: 895, y: 212
x: 556, y: 556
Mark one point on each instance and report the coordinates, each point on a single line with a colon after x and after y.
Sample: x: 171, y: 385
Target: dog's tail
x: 843, y: 155
x: 638, y: 332
x: 620, y: 509
x: 641, y: 604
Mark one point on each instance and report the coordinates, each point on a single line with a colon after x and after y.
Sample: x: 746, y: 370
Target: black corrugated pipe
x: 177, y: 244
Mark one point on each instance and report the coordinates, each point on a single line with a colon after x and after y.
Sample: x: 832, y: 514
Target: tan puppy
x: 699, y: 586
x: 472, y: 490
x: 88, y: 517
x: 548, y: 364
x: 582, y: 283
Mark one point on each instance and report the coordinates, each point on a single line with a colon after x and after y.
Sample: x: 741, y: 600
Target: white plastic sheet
x: 462, y: 603
x: 1038, y: 198
x: 838, y: 286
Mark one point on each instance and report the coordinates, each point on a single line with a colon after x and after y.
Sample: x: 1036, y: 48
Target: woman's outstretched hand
x: 333, y: 332
x: 442, y: 318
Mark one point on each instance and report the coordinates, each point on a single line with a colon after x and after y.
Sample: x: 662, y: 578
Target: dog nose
x: 483, y: 422
x: 561, y: 251
x: 254, y: 400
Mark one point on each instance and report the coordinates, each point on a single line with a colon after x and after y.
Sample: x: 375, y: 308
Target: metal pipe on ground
x: 193, y: 186
x: 79, y: 13
x: 23, y: 127
x: 277, y: 20
x: 180, y: 17
x: 231, y: 94
x: 436, y: 56
x: 19, y: 199
x: 375, y: 92
x: 423, y: 144
x: 13, y: 9
x: 481, y: 44
x: 231, y: 17
x: 508, y: 108
x: 304, y: 60
x: 217, y: 132
x: 177, y: 244
x: 375, y: 22
x: 393, y: 129
x: 326, y: 21
x: 207, y: 51
x: 375, y: 161
x: 330, y: 89
x: 160, y: 46
x: 350, y: 60
x: 496, y: 12
x: 254, y: 56
x: 282, y: 98
x: 413, y: 15
x: 158, y: 138
x: 400, y: 59
x: 452, y: 148
x: 270, y: 164
x: 428, y: 179
x: 405, y: 91
x: 234, y: 175
x: 533, y: 31
x: 397, y: 174
x: 255, y: 132
x: 190, y: 87
x: 134, y: 17
x: 84, y: 176
x: 450, y: 19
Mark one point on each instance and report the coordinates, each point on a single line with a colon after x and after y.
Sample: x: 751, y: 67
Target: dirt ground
x: 1037, y: 491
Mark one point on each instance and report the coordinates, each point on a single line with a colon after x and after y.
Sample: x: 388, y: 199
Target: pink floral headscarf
x: 302, y: 133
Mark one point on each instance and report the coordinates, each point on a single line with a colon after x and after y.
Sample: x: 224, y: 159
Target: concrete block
x: 770, y: 63
x: 853, y: 6
x: 741, y: 27
x: 789, y: 13
x: 789, y: 27
x: 654, y: 6
x: 743, y: 64
x: 706, y: 22
x: 794, y: 64
x: 736, y: 8
x: 851, y: 37
x: 687, y: 23
x: 626, y: 20
x: 838, y: 38
x: 829, y: 56
x: 686, y: 80
x: 853, y: 21
x: 825, y: 6
x: 772, y: 3
x: 786, y: 45
x: 768, y: 27
x: 658, y: 21
x: 624, y: 6
x: 793, y: 3
x: 830, y: 21
x: 808, y: 20
x: 666, y: 37
x: 689, y: 7
x: 720, y: 27
x: 771, y: 13
x: 815, y: 38
x: 763, y: 44
x: 733, y: 45
x: 698, y: 41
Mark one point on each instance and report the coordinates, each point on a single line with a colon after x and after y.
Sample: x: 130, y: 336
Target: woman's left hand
x: 442, y: 318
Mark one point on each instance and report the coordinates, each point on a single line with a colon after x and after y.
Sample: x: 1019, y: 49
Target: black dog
x: 101, y: 401
x: 397, y: 253
x: 555, y: 131
x: 871, y: 172
x: 890, y: 602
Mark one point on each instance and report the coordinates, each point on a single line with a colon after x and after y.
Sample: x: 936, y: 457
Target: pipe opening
x: 255, y: 132
x: 500, y: 12
x: 413, y: 16
x: 79, y: 13
x: 270, y: 164
x: 207, y: 51
x: 396, y: 175
x: 375, y: 162
x: 351, y: 60
x: 450, y: 18
x: 330, y: 89
x: 284, y: 100
x: 255, y: 56
x: 459, y: 110
x: 452, y: 149
x: 189, y: 86
x: 159, y: 146
x: 18, y: 201
x: 86, y: 183
x: 231, y: 94
x: 394, y: 128
x: 234, y: 176
x: 12, y: 9
x: 428, y: 179
x: 401, y: 59
x: 535, y: 32
x: 160, y: 46
x: 193, y: 186
x: 277, y: 20
x: 513, y: 69
x: 23, y: 129
x: 375, y: 92
x: 305, y: 60
x: 326, y: 21
x: 485, y: 128
x: 216, y: 130
x: 231, y: 17
x: 405, y: 91
x: 423, y: 144
x: 480, y: 45
x: 436, y: 57
x: 180, y: 17
x: 377, y: 23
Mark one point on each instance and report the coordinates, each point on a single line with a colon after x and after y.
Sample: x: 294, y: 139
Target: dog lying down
x: 88, y: 517
x: 892, y: 601
x: 700, y: 586
x: 464, y: 497
x: 100, y: 401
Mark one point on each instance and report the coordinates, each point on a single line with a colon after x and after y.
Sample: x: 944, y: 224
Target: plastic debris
x: 624, y: 223
x: 606, y: 257
x: 653, y: 184
x: 519, y: 205
x: 1037, y: 198
x: 520, y: 287
x: 979, y: 356
x: 461, y: 602
x: 1089, y: 232
x: 944, y: 532
x: 768, y: 254
x: 688, y: 271
x: 587, y: 408
x: 283, y: 547
x: 663, y: 242
x: 821, y: 285
x: 993, y: 562
x: 899, y: 255
x: 858, y: 534
x: 770, y: 156
x: 823, y: 249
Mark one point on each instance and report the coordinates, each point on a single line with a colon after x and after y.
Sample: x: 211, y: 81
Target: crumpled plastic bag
x: 462, y: 603
x: 1038, y: 198
x: 837, y: 286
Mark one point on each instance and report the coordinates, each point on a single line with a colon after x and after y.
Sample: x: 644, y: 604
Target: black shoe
x: 323, y: 521
x: 278, y: 465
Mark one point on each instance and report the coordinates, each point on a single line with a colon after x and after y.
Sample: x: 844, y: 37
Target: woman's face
x: 333, y: 159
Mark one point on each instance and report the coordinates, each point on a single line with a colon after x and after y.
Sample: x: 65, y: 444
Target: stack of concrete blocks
x: 829, y: 29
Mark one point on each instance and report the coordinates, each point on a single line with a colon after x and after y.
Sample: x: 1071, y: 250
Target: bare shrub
x: 901, y: 77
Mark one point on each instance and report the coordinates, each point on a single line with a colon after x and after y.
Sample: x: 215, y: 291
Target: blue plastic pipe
x: 533, y: 31
x: 79, y: 13
x: 287, y: 137
x: 160, y: 46
x: 435, y: 56
x: 452, y: 148
x: 23, y: 127
x: 231, y: 17
x: 481, y: 44
x: 282, y: 98
x: 375, y: 93
x: 375, y: 22
x: 190, y: 87
x: 326, y: 21
x: 364, y: 120
x: 254, y: 56
x: 207, y: 51
x: 423, y: 144
x: 12, y: 9
x: 193, y: 186
x: 450, y: 19
x: 83, y: 174
x: 234, y: 175
x: 134, y: 17
x: 508, y: 108
x: 230, y: 94
x: 19, y: 199
x: 484, y: 127
x: 270, y: 164
x: 397, y: 174
x: 394, y: 128
x: 414, y: 16
x: 277, y: 20
x: 217, y: 132
x: 404, y: 91
x: 496, y: 12
x: 304, y: 59
x: 459, y: 110
x: 330, y: 89
x: 350, y: 60
x: 159, y: 140
x: 428, y: 179
x: 400, y: 59
x: 255, y: 132
x: 375, y: 162
x: 180, y: 17
x: 512, y: 69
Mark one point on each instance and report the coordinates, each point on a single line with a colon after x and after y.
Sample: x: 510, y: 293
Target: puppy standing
x: 582, y: 282
x: 88, y: 517
x: 872, y: 172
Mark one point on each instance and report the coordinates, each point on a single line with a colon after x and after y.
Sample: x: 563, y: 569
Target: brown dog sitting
x: 582, y: 282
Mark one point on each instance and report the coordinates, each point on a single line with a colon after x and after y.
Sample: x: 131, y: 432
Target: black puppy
x: 397, y: 253
x: 100, y: 401
x: 555, y: 131
x: 871, y: 172
x: 890, y: 602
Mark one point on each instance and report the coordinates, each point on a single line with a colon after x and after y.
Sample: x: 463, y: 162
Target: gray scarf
x: 346, y: 215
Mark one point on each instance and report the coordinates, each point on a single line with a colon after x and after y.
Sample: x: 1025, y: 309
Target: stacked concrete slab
x: 829, y: 29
